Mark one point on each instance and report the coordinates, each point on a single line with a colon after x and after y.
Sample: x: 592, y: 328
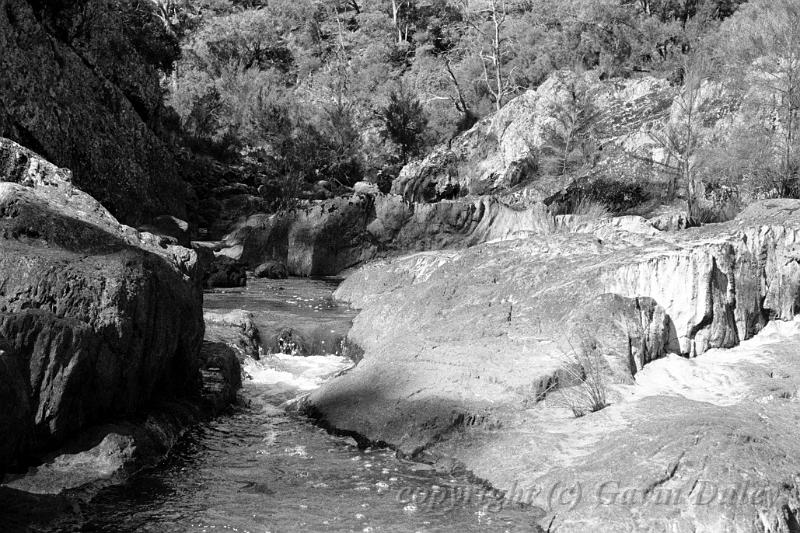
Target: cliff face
x: 97, y: 320
x: 75, y: 90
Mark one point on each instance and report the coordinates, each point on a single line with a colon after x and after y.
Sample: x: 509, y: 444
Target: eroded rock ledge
x: 462, y: 346
x: 327, y: 237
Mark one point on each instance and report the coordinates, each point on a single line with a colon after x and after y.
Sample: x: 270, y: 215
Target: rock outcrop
x: 459, y: 344
x: 67, y: 93
x: 98, y: 321
x: 484, y: 185
x: 327, y: 237
x: 503, y: 151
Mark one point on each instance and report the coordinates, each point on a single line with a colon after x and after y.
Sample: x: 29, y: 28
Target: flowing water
x: 263, y: 469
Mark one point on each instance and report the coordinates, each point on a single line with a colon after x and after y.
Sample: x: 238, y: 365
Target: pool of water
x: 265, y: 469
x: 301, y: 305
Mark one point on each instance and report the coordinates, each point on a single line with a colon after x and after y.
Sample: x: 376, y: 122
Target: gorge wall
x: 75, y: 90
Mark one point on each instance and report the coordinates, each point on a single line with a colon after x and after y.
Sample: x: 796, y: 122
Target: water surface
x: 264, y: 469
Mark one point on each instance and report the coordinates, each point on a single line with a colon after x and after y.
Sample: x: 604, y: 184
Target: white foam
x: 287, y: 373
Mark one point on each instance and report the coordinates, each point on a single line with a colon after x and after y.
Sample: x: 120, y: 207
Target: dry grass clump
x: 591, y: 209
x: 584, y: 386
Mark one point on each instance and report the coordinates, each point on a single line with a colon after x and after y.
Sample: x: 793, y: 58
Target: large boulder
x: 77, y: 90
x: 475, y: 353
x: 98, y: 320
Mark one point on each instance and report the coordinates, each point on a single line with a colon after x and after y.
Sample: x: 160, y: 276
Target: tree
x: 571, y: 136
x: 404, y: 122
x: 488, y: 18
x: 402, y: 27
x: 761, y: 42
x: 682, y: 136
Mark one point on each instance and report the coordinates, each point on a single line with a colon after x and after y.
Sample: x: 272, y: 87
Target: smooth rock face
x: 321, y: 238
x: 462, y: 346
x: 66, y: 95
x: 100, y: 319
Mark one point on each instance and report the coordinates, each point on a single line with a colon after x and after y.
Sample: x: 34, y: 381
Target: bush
x: 616, y: 196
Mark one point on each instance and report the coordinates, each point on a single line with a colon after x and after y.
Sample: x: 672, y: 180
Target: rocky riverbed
x: 467, y: 356
x: 600, y: 372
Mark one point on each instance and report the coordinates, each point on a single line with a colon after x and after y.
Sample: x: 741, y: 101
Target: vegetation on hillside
x: 302, y: 91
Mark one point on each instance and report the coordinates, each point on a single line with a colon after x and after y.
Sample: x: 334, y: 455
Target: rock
x: 106, y: 460
x: 222, y: 375
x: 289, y: 341
x: 17, y: 410
x: 235, y: 329
x: 327, y: 237
x: 318, y: 239
x: 364, y: 187
x: 466, y: 355
x: 84, y: 108
x: 111, y: 453
x: 234, y: 209
x: 171, y: 227
x: 271, y: 270
x: 671, y: 220
x: 102, y: 321
x: 231, y: 252
x: 225, y: 272
x: 501, y: 152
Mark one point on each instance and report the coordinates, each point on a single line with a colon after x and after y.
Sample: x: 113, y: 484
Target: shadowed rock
x: 100, y: 320
x: 67, y: 95
x: 225, y: 272
x: 271, y: 270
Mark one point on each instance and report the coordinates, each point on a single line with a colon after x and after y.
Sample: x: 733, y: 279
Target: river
x: 265, y: 469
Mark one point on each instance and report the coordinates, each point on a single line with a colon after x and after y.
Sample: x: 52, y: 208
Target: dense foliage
x: 347, y: 90
x: 307, y: 96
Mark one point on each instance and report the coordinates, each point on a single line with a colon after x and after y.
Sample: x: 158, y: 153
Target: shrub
x: 615, y: 196
x: 404, y: 122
